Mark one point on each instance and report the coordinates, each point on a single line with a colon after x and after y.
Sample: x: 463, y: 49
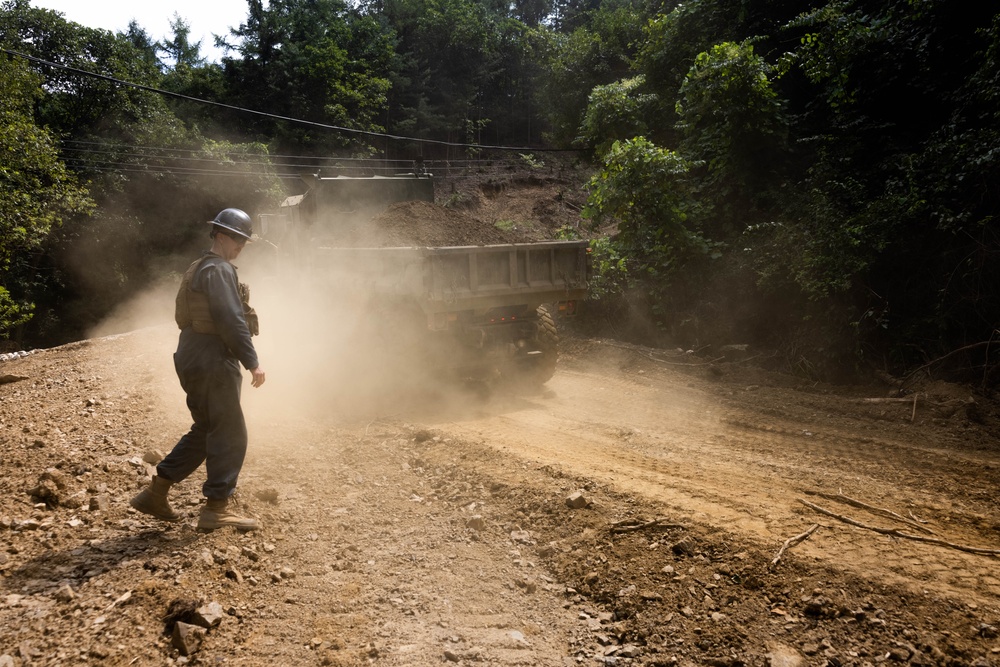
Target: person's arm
x: 219, y: 282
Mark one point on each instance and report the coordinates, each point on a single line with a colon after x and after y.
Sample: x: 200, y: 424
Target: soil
x: 630, y: 512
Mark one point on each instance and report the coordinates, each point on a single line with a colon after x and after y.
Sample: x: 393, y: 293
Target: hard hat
x: 234, y: 220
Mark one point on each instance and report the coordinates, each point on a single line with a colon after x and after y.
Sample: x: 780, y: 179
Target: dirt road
x: 626, y: 514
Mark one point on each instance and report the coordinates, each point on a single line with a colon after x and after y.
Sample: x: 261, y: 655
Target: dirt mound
x: 422, y: 223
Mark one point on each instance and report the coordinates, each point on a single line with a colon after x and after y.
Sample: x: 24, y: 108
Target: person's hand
x: 258, y: 377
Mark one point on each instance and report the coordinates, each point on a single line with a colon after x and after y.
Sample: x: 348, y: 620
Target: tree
x: 316, y: 60
x: 36, y: 191
x: 179, y: 50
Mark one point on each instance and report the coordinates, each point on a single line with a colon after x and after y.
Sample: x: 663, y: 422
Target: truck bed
x: 448, y: 279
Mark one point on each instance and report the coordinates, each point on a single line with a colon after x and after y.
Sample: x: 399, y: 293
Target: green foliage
x: 616, y: 111
x: 730, y: 119
x: 645, y: 189
x: 36, y: 190
x: 179, y: 50
x: 318, y: 60
x: 609, y: 270
x: 12, y: 313
x: 596, y: 51
x: 531, y: 161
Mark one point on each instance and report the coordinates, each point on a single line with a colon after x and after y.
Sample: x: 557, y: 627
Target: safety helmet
x: 234, y: 220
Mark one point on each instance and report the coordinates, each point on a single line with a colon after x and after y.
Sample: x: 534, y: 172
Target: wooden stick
x: 895, y: 533
x: 792, y: 541
x: 628, y: 525
x: 840, y: 497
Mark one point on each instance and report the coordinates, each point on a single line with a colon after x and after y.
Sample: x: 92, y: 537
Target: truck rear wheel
x: 539, y: 367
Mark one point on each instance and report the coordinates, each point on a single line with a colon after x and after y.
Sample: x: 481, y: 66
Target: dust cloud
x: 330, y: 349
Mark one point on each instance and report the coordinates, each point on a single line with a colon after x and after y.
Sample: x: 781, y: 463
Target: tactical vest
x: 191, y: 308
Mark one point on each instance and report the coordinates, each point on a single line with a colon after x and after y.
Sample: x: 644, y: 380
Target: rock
x: 818, y: 607
x: 987, y: 631
x: 784, y: 656
x: 208, y: 616
x: 286, y: 573
x: 521, y: 536
x: 46, y: 491
x: 684, y: 547
x: 268, y: 495
x: 235, y: 575
x: 451, y: 656
x: 152, y: 456
x: 527, y: 585
x: 187, y: 638
x: 577, y: 500
x: 74, y: 501
x: 476, y: 523
x: 899, y: 654
x: 100, y: 503
x: 630, y: 651
x: 250, y: 554
x: 65, y: 593
x: 7, y: 661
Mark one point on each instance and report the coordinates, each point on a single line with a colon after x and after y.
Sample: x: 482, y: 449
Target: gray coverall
x: 208, y: 366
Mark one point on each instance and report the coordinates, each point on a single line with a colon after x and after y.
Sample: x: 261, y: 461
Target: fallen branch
x: 840, y: 497
x: 906, y: 380
x: 630, y: 525
x: 792, y: 541
x: 895, y: 533
x: 916, y: 398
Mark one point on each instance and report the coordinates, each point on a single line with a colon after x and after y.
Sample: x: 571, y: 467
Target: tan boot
x: 216, y: 514
x: 153, y: 500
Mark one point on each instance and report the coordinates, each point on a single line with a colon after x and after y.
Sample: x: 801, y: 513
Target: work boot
x: 153, y: 500
x: 216, y: 514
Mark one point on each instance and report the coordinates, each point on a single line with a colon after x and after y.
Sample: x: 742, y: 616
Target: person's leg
x: 226, y: 437
x: 189, y: 452
x: 186, y: 455
x: 226, y: 446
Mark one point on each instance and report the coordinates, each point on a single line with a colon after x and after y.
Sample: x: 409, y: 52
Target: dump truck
x: 476, y: 312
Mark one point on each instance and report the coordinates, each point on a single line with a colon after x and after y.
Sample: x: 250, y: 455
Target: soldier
x: 216, y: 323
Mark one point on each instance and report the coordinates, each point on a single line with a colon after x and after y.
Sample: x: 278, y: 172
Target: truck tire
x: 538, y: 369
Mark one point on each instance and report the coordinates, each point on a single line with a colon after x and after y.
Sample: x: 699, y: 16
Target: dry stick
x: 792, y: 541
x: 895, y: 533
x: 973, y: 346
x: 917, y: 397
x: 630, y: 526
x: 840, y: 497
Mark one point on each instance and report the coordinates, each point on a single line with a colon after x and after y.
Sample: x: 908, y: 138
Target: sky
x: 205, y: 17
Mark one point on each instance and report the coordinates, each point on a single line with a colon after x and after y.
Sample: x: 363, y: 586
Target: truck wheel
x: 538, y: 369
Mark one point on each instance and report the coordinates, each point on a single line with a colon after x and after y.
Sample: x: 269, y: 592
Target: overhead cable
x: 265, y: 114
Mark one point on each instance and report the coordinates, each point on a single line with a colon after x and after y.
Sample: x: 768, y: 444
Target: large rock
x: 187, y: 638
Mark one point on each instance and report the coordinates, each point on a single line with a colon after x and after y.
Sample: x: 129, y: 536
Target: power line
x: 265, y: 114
